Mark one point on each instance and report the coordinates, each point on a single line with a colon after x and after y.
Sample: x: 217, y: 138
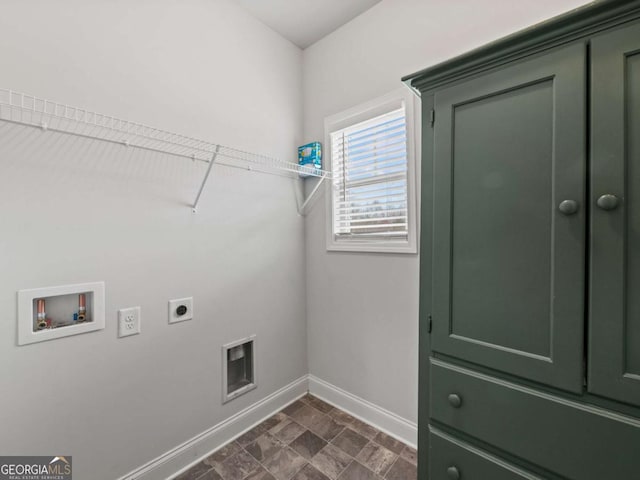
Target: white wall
x: 362, y: 309
x: 74, y: 210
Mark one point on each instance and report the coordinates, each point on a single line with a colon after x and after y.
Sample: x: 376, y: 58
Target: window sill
x: 372, y: 247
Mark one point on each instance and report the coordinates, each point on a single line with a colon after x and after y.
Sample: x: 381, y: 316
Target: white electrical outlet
x: 180, y: 310
x: 128, y: 321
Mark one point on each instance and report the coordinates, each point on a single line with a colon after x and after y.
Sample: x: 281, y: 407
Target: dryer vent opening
x: 238, y: 368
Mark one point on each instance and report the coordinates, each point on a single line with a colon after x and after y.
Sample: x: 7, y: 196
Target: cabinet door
x: 508, y: 265
x: 614, y: 327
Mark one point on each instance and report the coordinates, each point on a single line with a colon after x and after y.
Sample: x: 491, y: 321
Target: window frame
x: 360, y: 113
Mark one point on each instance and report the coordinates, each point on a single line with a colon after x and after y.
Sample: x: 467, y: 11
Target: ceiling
x: 304, y: 22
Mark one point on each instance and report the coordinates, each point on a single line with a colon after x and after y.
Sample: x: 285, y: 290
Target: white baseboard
x: 199, y: 447
x: 192, y: 451
x: 390, y: 423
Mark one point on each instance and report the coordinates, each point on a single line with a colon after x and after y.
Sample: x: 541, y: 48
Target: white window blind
x: 370, y: 169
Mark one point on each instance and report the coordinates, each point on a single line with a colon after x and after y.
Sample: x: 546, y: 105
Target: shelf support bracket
x: 194, y: 208
x: 301, y: 208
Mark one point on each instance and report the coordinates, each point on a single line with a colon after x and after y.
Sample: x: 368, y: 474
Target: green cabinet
x: 614, y: 336
x: 509, y: 150
x: 530, y: 244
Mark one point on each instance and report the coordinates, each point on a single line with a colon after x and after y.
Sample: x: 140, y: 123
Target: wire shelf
x: 29, y: 110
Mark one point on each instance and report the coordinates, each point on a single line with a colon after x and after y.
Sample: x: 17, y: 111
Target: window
x: 372, y: 200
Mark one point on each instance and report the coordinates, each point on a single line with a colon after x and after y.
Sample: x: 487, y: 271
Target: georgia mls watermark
x: 35, y: 468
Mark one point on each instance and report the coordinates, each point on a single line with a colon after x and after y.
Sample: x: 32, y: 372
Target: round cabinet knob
x: 454, y: 400
x: 568, y: 207
x: 453, y: 473
x: 608, y: 202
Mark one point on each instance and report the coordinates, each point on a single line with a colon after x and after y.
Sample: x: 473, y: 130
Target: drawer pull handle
x: 608, y: 202
x: 453, y: 473
x: 568, y: 207
x: 454, y: 400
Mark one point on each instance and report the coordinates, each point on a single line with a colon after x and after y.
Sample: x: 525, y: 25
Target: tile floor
x: 309, y: 440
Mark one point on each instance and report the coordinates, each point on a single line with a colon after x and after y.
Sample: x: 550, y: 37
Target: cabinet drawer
x: 577, y: 441
x: 452, y: 458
